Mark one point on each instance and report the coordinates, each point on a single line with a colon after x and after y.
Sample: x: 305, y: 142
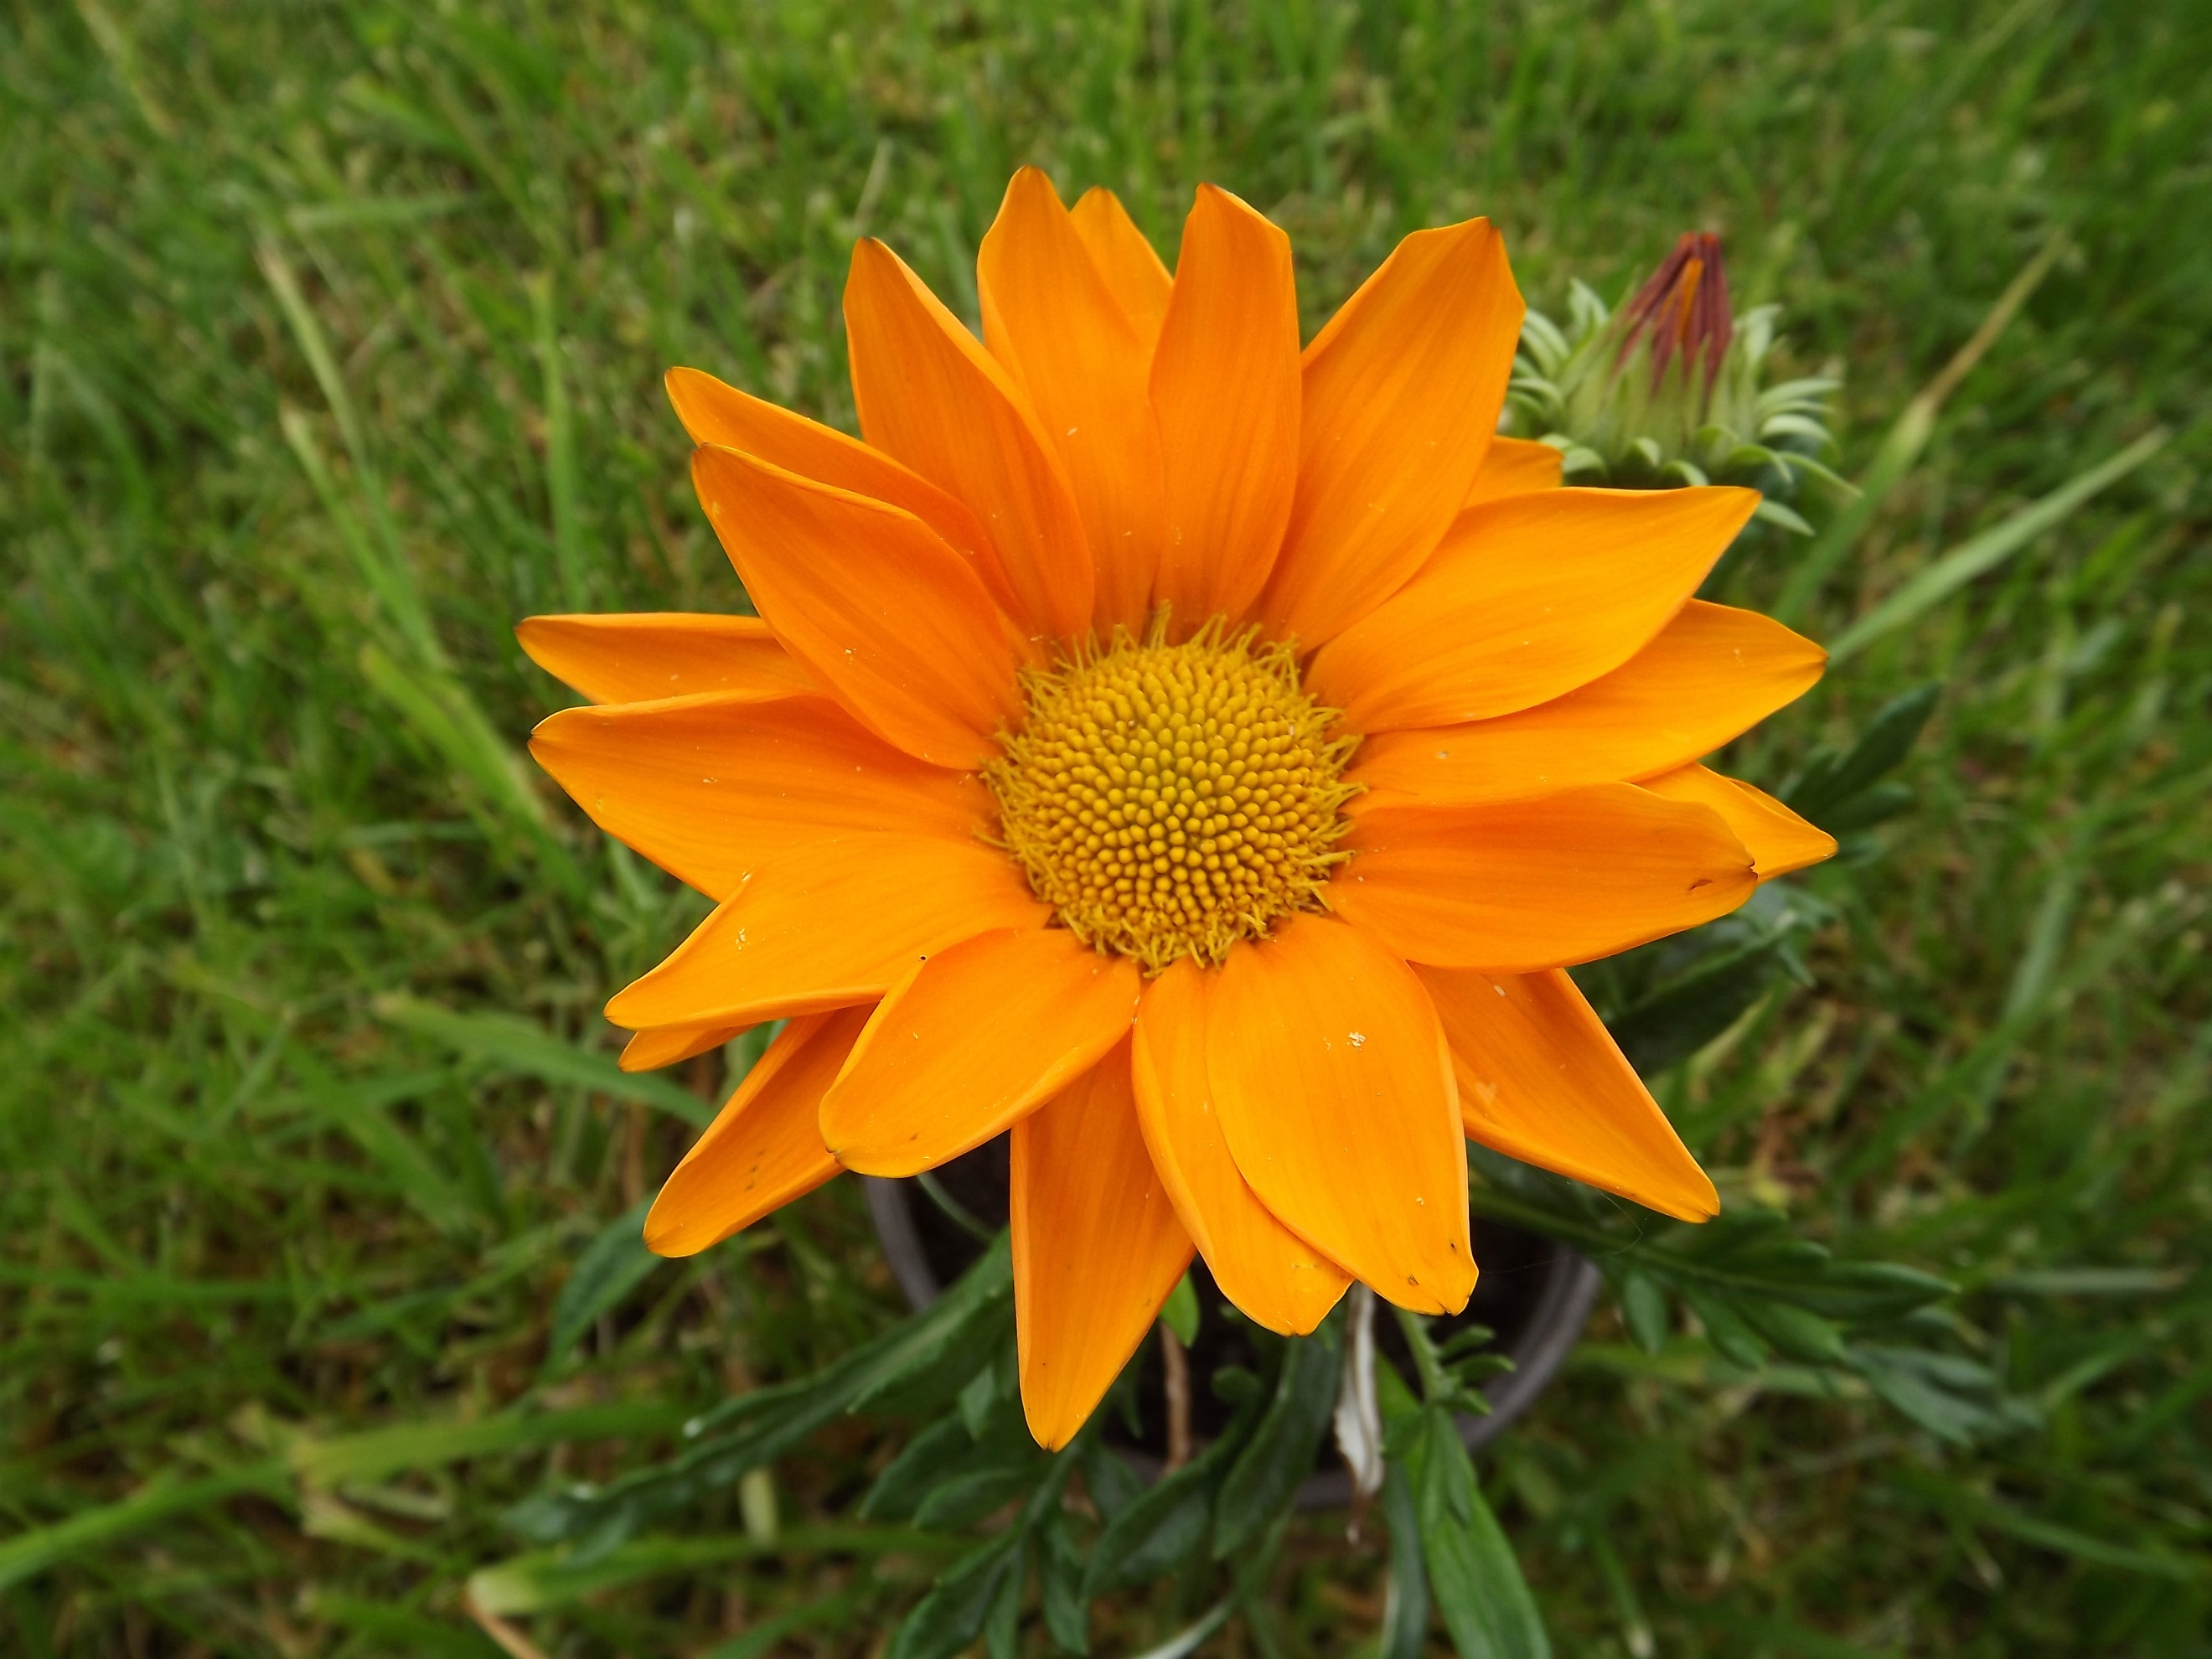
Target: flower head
x: 1669, y: 390
x: 1198, y: 756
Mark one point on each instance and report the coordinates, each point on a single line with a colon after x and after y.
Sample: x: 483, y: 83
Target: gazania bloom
x: 1196, y: 755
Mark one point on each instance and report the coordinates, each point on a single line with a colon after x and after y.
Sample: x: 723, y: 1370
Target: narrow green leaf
x: 561, y: 479
x: 545, y: 1579
x: 1902, y: 444
x: 1266, y: 1477
x: 1181, y: 1313
x: 377, y: 1454
x: 29, y: 1553
x: 1405, y: 1633
x: 615, y: 1263
x: 954, y: 1612
x: 1473, y: 1573
x: 525, y: 1049
x: 1934, y: 583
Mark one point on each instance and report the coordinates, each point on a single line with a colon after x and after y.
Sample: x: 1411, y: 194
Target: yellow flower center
x: 1167, y: 800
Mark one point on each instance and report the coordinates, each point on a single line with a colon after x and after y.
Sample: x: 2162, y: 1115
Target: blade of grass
x: 1933, y: 583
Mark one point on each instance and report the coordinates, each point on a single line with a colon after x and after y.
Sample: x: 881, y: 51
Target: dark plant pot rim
x: 1553, y: 1325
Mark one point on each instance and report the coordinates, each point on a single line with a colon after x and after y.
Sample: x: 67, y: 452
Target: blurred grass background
x: 330, y: 341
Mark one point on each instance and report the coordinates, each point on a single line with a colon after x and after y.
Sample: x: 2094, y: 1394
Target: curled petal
x: 765, y: 1148
x: 1513, y: 466
x: 1780, y: 842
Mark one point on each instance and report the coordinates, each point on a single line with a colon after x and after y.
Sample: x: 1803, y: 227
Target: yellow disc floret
x: 1167, y: 800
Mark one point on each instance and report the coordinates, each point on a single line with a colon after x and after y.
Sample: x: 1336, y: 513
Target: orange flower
x: 1198, y: 756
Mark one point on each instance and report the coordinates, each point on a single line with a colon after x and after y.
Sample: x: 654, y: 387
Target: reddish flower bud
x: 1684, y: 307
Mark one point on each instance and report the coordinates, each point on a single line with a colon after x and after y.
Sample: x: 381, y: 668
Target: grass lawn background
x: 330, y: 344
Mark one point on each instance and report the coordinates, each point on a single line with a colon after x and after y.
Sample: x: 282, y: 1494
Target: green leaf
x: 1473, y: 1573
x: 926, y: 1358
x: 936, y: 1452
x: 1934, y: 583
x: 29, y: 1553
x: 1684, y: 1015
x: 969, y: 1495
x: 1405, y: 1633
x: 1059, y: 1579
x: 1725, y: 1327
x: 615, y: 1263
x: 542, y: 1580
x: 377, y: 1454
x: 1112, y: 1484
x: 1792, y: 1332
x: 1830, y: 781
x: 952, y: 1615
x: 1166, y: 1525
x: 1775, y: 512
x: 1181, y: 1313
x: 524, y: 1049
x: 1266, y: 1475
x: 1643, y: 1310
x: 1957, y: 1399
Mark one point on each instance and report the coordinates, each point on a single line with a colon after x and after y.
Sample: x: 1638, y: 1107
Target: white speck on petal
x: 1360, y: 1039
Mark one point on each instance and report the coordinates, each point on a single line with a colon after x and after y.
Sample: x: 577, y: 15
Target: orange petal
x: 662, y: 653
x: 1274, y: 1276
x: 829, y: 921
x: 1049, y: 317
x: 1541, y: 1079
x: 721, y: 417
x: 1096, y: 1247
x: 1712, y: 673
x: 1226, y: 389
x: 1780, y: 840
x: 1127, y: 262
x: 765, y: 1148
x: 1530, y: 597
x: 929, y: 394
x: 1530, y: 884
x: 648, y: 1051
x: 708, y: 787
x: 1513, y: 466
x: 971, y: 1039
x: 1336, y: 1095
x: 872, y: 601
x: 1401, y: 390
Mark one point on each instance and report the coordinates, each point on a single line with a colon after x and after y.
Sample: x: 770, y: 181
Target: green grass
x: 329, y: 346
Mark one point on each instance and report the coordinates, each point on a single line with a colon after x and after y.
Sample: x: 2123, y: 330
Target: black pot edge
x: 1558, y: 1325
